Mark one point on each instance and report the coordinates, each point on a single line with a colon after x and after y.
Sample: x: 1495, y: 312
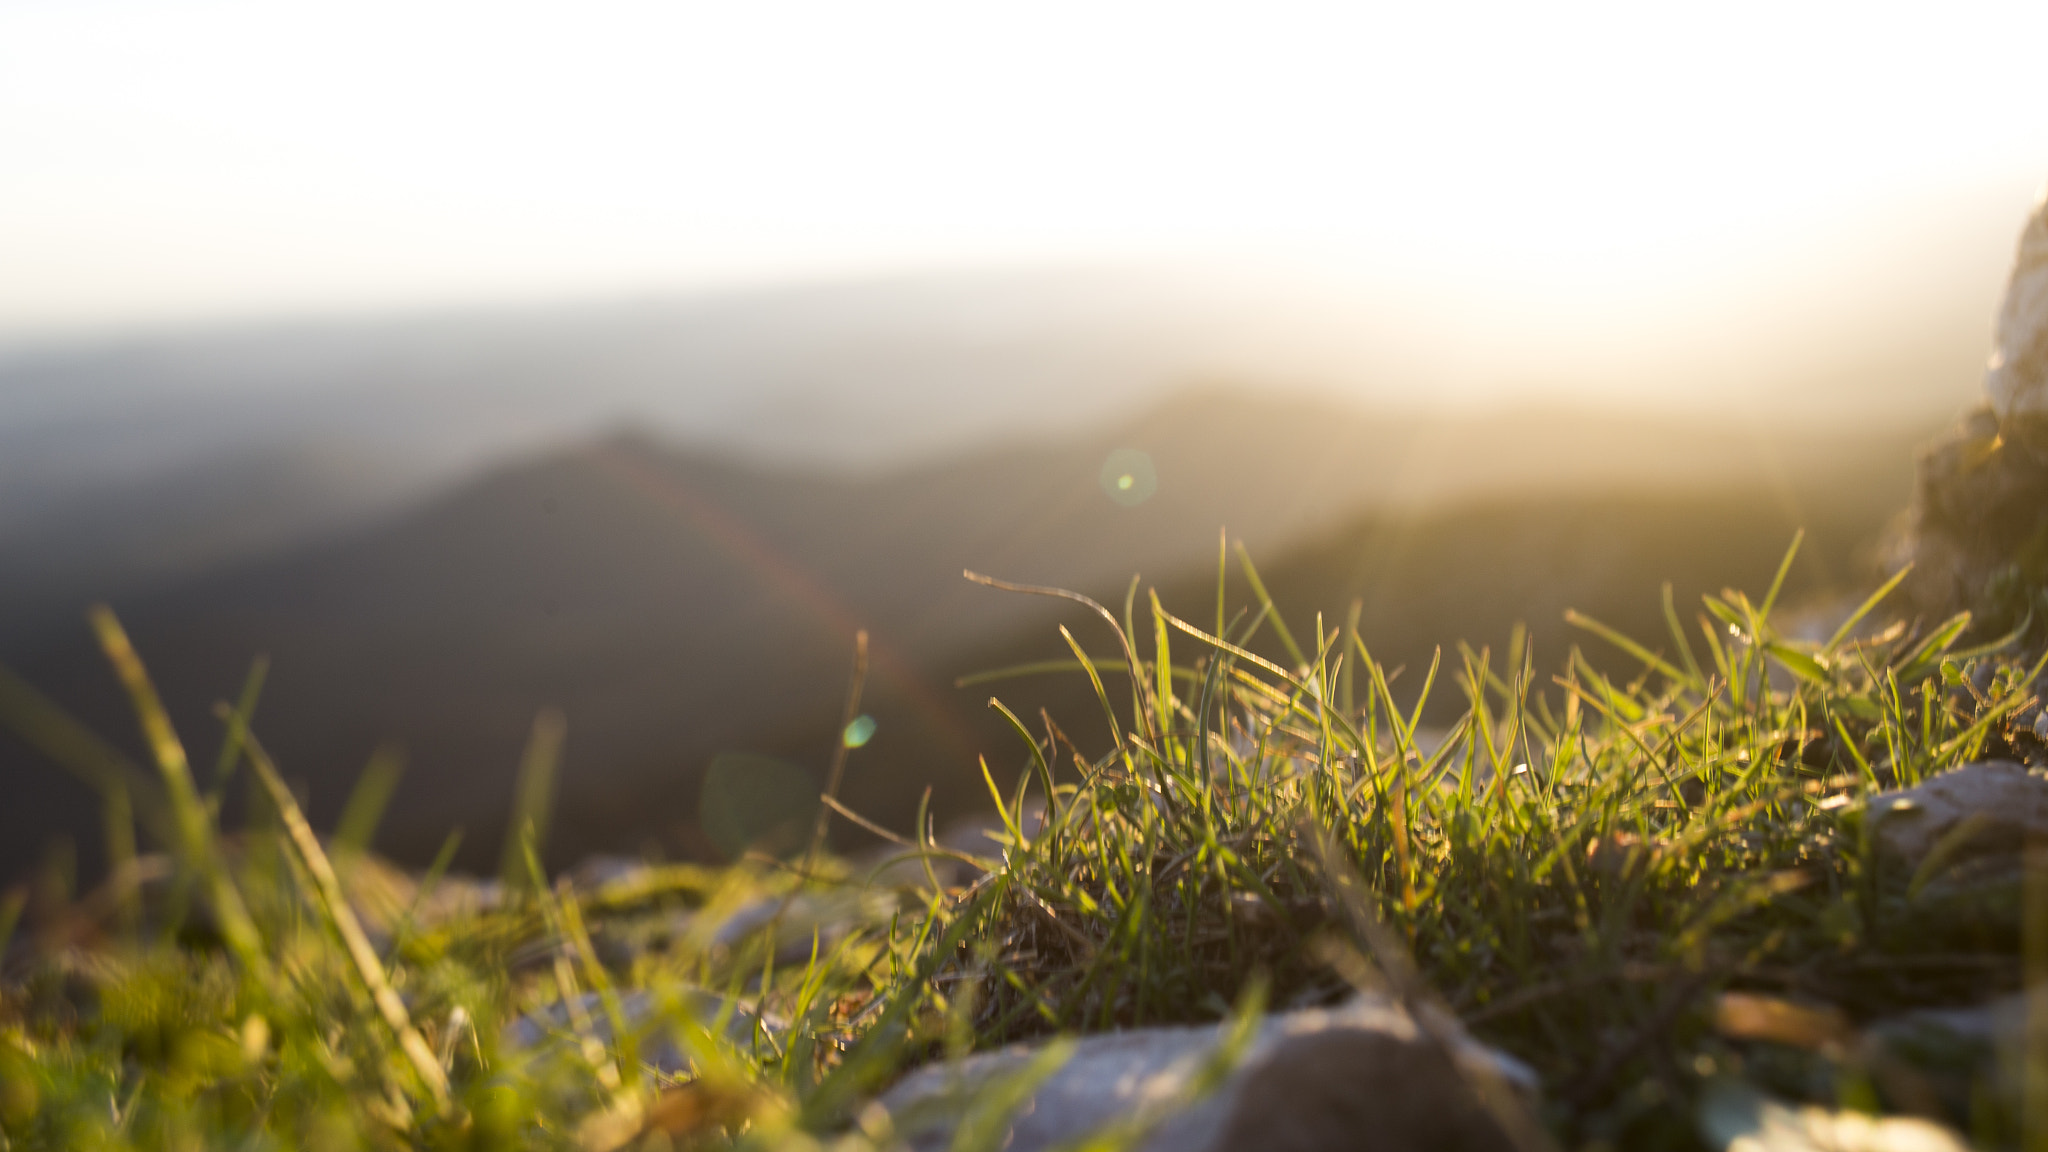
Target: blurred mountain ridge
x: 677, y: 603
x: 879, y: 373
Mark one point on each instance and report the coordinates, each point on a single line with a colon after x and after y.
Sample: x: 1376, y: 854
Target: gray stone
x: 1978, y: 809
x: 1980, y: 508
x: 2017, y: 378
x: 1988, y: 1027
x: 1357, y: 1076
x: 1959, y: 1060
x: 1736, y: 1117
x: 558, y: 1024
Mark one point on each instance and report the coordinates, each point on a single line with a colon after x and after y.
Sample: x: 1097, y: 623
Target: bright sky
x: 163, y: 162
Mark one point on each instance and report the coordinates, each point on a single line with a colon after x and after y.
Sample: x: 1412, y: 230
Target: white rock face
x: 2017, y: 379
x: 2000, y: 802
x: 1358, y: 1076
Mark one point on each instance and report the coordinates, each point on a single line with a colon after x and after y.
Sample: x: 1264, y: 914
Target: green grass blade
x: 1095, y: 681
x: 1222, y: 575
x: 47, y: 728
x: 424, y: 891
x: 343, y: 919
x: 856, y: 684
x: 197, y: 846
x: 238, y: 722
x: 1162, y: 666
x: 1650, y: 659
x: 1037, y: 668
x: 1798, y: 663
x: 533, y: 798
x: 1148, y: 719
x: 1864, y: 609
x: 1251, y: 575
x: 1698, y: 681
x: 1927, y: 655
x: 1763, y: 614
x: 11, y: 905
x: 1038, y: 760
x: 366, y: 802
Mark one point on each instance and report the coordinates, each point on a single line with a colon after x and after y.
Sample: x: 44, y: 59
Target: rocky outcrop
x: 2017, y: 380
x: 1978, y: 532
x: 1318, y: 1080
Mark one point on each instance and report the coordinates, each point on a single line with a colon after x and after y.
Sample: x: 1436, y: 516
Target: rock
x: 1358, y: 1076
x: 557, y: 1023
x: 1962, y: 1061
x: 2017, y: 379
x: 795, y: 925
x: 1978, y: 809
x: 1980, y: 509
x: 810, y: 920
x: 1986, y: 1027
x: 596, y: 873
x: 1738, y: 1118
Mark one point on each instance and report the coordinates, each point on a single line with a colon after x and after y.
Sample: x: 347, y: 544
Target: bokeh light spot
x: 752, y: 801
x: 859, y: 731
x: 1128, y: 477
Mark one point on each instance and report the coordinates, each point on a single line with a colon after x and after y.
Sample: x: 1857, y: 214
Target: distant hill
x: 879, y: 373
x: 677, y: 603
x: 121, y: 536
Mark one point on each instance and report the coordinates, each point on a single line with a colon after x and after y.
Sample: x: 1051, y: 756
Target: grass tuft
x: 1584, y: 866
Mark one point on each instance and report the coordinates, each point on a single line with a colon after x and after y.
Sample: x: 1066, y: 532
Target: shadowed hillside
x: 676, y: 605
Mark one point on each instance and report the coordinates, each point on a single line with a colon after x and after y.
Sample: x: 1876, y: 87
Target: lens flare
x: 1128, y: 477
x: 859, y: 731
x: 755, y: 802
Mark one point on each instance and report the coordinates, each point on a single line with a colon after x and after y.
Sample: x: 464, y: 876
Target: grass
x: 1598, y: 875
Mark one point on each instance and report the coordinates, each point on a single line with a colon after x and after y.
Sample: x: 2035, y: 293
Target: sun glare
x: 212, y: 159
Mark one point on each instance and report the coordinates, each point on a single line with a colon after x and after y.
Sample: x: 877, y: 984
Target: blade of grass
x: 1222, y: 574
x: 1692, y: 664
x: 50, y: 730
x: 194, y: 822
x: 1581, y: 620
x: 11, y: 906
x: 856, y: 684
x: 118, y: 817
x: 1101, y: 694
x: 238, y: 721
x: 533, y: 798
x: 366, y: 803
x: 1148, y: 715
x: 570, y: 913
x: 1052, y: 799
x: 1869, y: 604
x: 1345, y: 699
x: 1354, y: 903
x: 1763, y: 614
x: 343, y: 919
x: 429, y: 880
x: 1251, y: 575
x: 1038, y: 668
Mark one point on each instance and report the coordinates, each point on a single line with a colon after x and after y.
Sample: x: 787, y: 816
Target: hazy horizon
x: 1584, y: 174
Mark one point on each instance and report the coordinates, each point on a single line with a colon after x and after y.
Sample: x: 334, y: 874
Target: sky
x: 1575, y: 165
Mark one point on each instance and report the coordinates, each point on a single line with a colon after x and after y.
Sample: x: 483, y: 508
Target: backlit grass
x: 1578, y: 868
